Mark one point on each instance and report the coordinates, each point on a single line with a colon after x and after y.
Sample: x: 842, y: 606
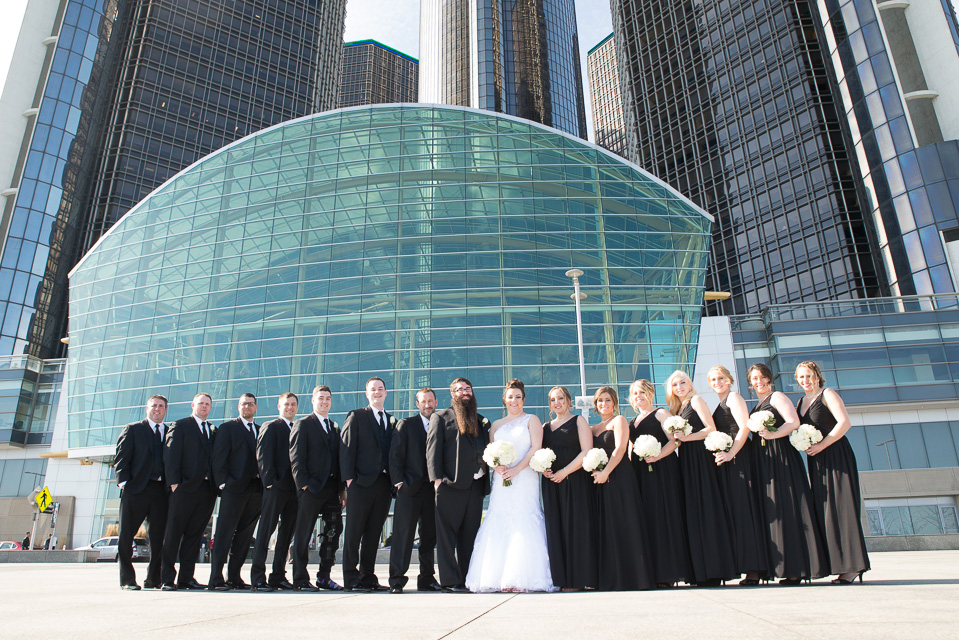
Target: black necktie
x: 206, y: 433
x: 159, y: 436
x: 382, y: 420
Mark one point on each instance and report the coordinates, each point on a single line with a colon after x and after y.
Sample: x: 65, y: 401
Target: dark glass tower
x: 731, y: 103
x: 135, y: 91
x: 519, y: 57
x: 131, y: 92
x: 376, y: 74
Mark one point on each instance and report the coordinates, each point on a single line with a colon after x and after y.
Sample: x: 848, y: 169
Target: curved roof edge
x: 393, y: 105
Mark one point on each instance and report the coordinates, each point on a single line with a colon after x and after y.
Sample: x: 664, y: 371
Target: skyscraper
x: 605, y: 94
x: 733, y: 106
x: 375, y: 74
x: 128, y: 94
x: 519, y: 57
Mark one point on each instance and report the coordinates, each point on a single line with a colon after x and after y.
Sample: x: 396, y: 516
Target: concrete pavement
x: 907, y: 594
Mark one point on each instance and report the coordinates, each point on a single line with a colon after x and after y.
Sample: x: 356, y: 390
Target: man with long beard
x: 454, y: 459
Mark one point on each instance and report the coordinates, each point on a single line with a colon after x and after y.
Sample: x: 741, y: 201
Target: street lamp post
x: 577, y: 296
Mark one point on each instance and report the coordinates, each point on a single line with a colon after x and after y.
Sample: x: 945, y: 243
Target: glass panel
x: 925, y: 520
x: 949, y: 522
x: 875, y: 522
x: 909, y: 443
x: 892, y: 521
x: 939, y: 446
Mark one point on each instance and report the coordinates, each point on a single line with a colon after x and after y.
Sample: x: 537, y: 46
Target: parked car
x: 108, y: 549
x: 9, y: 545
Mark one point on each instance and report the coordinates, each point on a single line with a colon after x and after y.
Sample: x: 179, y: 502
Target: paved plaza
x: 906, y: 595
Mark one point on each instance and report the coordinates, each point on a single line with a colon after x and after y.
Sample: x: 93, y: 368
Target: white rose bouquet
x: 677, y: 424
x: 595, y: 460
x: 500, y: 453
x: 761, y: 420
x: 718, y: 441
x: 805, y: 436
x: 647, y: 446
x: 542, y: 460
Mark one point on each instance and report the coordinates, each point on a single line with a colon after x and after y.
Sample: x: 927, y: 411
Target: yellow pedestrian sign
x: 44, y: 499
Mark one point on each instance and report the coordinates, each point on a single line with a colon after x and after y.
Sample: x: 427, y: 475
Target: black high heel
x: 841, y: 580
x: 791, y: 582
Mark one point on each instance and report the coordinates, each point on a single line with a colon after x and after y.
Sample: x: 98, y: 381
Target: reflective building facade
x: 376, y: 74
x: 414, y: 242
x: 732, y: 104
x: 519, y: 57
x: 129, y: 93
x: 605, y: 94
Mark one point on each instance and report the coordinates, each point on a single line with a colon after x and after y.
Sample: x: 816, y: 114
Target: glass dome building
x: 414, y: 242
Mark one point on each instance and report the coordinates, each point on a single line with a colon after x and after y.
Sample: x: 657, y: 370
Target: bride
x: 510, y: 550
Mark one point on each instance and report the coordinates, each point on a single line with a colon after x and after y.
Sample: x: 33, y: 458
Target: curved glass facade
x: 414, y: 242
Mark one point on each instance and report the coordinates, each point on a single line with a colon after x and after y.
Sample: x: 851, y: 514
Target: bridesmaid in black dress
x: 736, y: 481
x: 570, y: 522
x: 624, y: 560
x: 710, y: 540
x: 794, y: 547
x: 661, y: 490
x: 833, y: 476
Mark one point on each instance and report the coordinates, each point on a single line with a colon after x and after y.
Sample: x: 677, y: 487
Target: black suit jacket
x: 452, y: 456
x: 234, y: 455
x: 408, y: 454
x: 361, y: 458
x: 134, y: 458
x: 273, y: 455
x: 314, y: 455
x: 187, y: 459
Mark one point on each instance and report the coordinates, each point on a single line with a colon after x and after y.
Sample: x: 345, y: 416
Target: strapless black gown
x: 710, y: 540
x: 741, y: 497
x: 570, y: 513
x: 624, y: 558
x: 661, y: 491
x: 834, y: 480
x: 793, y: 544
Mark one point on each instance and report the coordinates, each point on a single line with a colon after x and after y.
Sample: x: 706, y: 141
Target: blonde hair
x: 812, y: 366
x: 612, y: 394
x: 671, y: 400
x: 566, y: 394
x: 724, y: 371
x: 647, y: 387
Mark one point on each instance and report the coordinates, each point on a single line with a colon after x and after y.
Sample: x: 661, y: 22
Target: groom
x: 454, y: 459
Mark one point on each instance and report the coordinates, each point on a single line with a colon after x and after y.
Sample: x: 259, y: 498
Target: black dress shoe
x: 167, y: 587
x: 360, y: 589
x: 238, y: 585
x: 396, y: 589
x: 282, y: 585
x: 151, y: 585
x: 263, y: 587
x: 192, y: 585
x: 220, y: 587
x: 130, y: 587
x: 309, y: 588
x: 432, y: 586
x: 380, y: 587
x: 456, y: 588
x: 328, y: 584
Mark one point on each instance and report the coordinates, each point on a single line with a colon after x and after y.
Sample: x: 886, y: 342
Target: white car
x: 108, y: 549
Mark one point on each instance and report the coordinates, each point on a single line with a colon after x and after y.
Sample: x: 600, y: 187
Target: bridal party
x: 753, y: 491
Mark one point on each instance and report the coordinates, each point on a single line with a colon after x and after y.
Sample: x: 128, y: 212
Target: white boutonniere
x: 392, y: 421
x: 486, y: 421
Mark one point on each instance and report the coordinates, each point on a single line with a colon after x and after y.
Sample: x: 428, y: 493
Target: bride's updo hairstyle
x: 515, y: 383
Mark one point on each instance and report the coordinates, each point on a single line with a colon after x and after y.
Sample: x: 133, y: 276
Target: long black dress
x: 624, y: 560
x: 792, y: 534
x: 569, y: 510
x: 710, y: 540
x: 834, y: 479
x: 741, y: 497
x: 661, y: 491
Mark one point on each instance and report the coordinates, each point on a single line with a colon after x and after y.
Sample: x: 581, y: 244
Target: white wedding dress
x: 510, y: 549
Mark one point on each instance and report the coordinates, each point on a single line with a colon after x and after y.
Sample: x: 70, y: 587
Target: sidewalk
x: 907, y: 594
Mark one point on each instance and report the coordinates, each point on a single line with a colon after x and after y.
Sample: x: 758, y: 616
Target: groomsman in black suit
x: 415, y: 497
x: 241, y: 495
x: 143, y: 495
x: 454, y: 458
x: 188, y: 464
x: 314, y: 457
x: 279, y: 497
x: 364, y: 466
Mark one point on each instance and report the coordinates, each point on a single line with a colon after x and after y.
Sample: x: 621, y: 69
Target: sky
x: 395, y: 23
